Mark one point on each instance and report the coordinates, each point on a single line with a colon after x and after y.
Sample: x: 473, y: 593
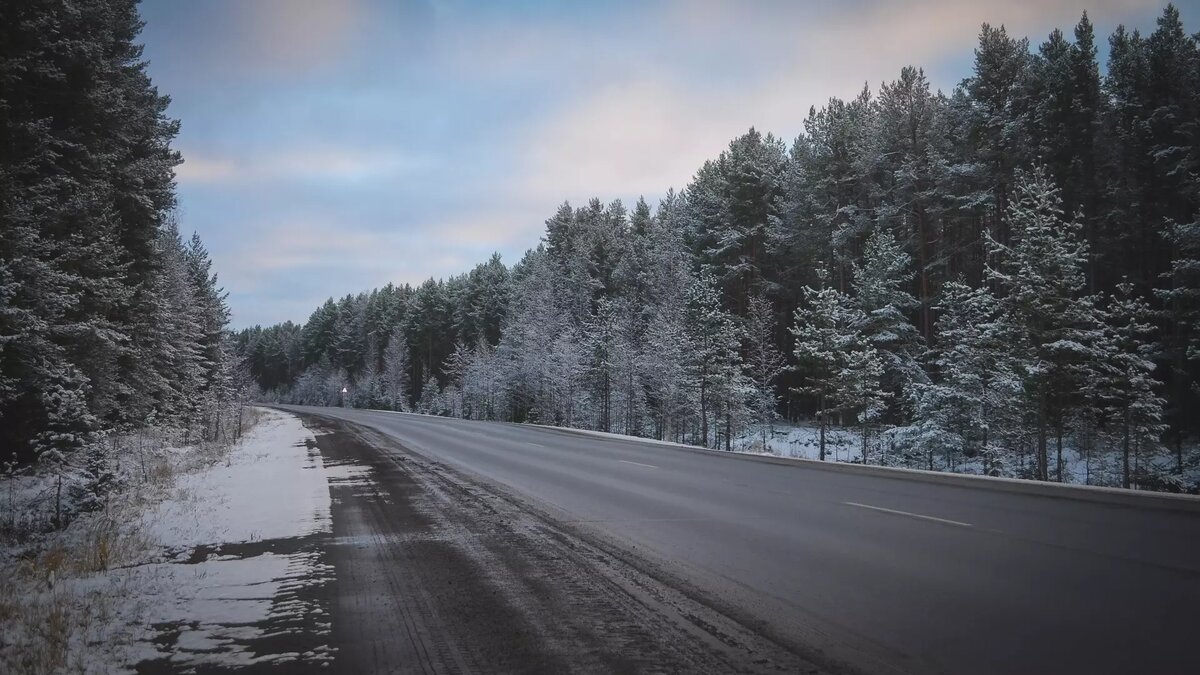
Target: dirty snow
x: 231, y: 569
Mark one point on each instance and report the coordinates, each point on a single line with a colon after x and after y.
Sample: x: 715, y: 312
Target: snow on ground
x: 845, y: 445
x: 272, y: 487
x: 803, y: 442
x: 228, y: 565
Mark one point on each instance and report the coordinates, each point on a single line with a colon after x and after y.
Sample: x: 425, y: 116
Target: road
x: 877, y: 573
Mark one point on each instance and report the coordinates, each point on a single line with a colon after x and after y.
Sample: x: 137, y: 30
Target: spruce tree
x: 1042, y: 279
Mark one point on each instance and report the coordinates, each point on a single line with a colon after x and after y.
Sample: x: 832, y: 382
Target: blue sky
x: 332, y: 147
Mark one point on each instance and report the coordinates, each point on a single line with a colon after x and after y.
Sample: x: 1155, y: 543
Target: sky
x: 333, y: 147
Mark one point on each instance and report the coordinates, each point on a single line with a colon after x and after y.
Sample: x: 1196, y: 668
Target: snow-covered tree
x: 1126, y: 388
x: 825, y: 329
x: 394, y: 378
x: 879, y: 283
x: 967, y: 408
x: 602, y: 344
x: 69, y: 429
x: 1041, y: 276
x: 714, y: 362
x: 860, y: 390
x: 763, y: 363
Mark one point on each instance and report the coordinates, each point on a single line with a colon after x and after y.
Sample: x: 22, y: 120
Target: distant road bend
x: 867, y: 572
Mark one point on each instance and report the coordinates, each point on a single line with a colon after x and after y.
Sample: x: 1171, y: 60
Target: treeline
x: 972, y: 280
x: 109, y: 320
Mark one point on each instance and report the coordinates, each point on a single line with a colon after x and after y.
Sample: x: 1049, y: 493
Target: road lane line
x: 910, y: 515
x: 648, y: 466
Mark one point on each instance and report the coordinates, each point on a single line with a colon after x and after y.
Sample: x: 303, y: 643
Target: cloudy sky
x: 332, y: 147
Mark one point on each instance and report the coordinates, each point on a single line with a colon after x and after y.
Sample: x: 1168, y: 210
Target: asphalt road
x: 887, y: 574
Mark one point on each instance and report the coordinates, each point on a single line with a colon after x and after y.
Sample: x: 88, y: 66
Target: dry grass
x: 47, y: 622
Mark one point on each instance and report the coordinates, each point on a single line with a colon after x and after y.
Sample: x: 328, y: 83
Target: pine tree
x: 860, y: 390
x: 70, y: 429
x: 395, y: 371
x: 968, y: 408
x: 714, y: 363
x: 601, y: 342
x: 733, y: 209
x: 826, y: 332
x: 879, y: 291
x: 1042, y: 277
x: 763, y: 364
x: 1181, y: 304
x: 912, y: 170
x: 1126, y: 389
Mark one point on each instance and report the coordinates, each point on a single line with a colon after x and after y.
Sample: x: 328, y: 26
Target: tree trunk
x: 728, y: 427
x: 926, y: 311
x: 1058, y: 441
x: 1043, y: 459
x: 1179, y: 453
x: 821, y: 419
x: 1125, y: 452
x: 58, y: 501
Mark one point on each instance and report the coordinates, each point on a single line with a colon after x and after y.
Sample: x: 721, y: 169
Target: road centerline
x: 648, y: 466
x: 910, y: 515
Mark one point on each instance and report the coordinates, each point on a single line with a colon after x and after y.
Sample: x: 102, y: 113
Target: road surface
x: 862, y: 572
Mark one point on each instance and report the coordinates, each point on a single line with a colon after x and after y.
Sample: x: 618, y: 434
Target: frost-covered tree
x: 1181, y: 305
x: 1041, y: 276
x: 1126, y: 388
x: 860, y: 390
x: 603, y: 347
x: 967, y: 409
x: 431, y: 402
x: 394, y: 378
x: 879, y: 287
x: 69, y: 430
x: 825, y: 329
x: 763, y: 363
x: 714, y: 362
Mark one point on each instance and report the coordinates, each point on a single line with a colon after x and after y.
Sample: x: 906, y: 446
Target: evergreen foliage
x: 109, y: 320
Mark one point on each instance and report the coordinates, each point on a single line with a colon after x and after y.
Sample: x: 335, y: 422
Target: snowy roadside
x: 213, y: 570
x: 844, y: 446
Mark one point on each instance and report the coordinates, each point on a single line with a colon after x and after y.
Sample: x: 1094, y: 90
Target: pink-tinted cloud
x: 296, y: 34
x: 327, y: 163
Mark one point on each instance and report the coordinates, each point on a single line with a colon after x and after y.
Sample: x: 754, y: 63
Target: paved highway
x: 887, y: 573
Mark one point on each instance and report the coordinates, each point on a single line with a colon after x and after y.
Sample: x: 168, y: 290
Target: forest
x: 988, y: 277
x: 111, y: 321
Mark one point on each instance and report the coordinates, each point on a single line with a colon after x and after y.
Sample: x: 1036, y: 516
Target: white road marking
x: 910, y: 515
x: 648, y: 466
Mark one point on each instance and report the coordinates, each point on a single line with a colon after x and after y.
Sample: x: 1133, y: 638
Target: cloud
x: 222, y: 42
x: 300, y: 263
x: 318, y: 163
x: 289, y: 35
x: 652, y: 128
